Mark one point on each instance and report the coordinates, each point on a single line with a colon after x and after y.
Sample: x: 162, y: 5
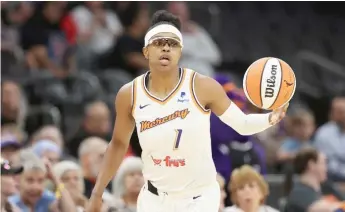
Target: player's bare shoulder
x: 123, y: 101
x: 211, y: 94
x: 207, y: 89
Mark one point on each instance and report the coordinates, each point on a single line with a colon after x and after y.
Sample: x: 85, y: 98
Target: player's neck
x: 161, y: 82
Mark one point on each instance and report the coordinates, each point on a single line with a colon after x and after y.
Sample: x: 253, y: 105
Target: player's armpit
x: 211, y: 94
x: 117, y: 148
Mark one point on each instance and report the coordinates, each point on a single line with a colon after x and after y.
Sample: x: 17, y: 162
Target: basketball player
x: 171, y: 106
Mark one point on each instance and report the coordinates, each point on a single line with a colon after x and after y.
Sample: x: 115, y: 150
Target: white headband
x: 162, y: 28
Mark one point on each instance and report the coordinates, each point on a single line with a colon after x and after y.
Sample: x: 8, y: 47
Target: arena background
x: 307, y: 35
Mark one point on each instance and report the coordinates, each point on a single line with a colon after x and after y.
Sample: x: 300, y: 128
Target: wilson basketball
x: 269, y: 83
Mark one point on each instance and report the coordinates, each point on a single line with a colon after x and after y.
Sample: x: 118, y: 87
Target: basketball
x: 269, y: 83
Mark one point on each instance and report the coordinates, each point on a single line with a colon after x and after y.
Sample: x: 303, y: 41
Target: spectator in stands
x: 249, y: 191
x: 97, y: 26
x: 221, y: 181
x: 32, y: 195
x: 70, y: 173
x: 13, y: 104
x: 127, y: 54
x: 44, y: 42
x: 47, y: 149
x: 96, y: 123
x: 128, y: 183
x: 330, y: 139
x: 306, y: 193
x: 91, y: 152
x: 15, y: 131
x: 9, y: 147
x: 199, y: 50
x: 49, y: 132
x: 13, y: 15
x: 271, y: 139
x: 302, y: 128
x: 8, y: 185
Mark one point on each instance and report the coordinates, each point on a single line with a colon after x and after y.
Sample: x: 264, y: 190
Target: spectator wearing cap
x: 15, y: 131
x: 8, y: 185
x: 32, y: 193
x: 70, y: 173
x: 9, y: 147
x: 47, y: 149
x: 128, y: 183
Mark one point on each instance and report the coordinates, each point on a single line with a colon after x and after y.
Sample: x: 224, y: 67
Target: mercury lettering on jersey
x: 145, y: 125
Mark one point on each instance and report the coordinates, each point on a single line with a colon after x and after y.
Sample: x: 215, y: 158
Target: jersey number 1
x: 177, y: 139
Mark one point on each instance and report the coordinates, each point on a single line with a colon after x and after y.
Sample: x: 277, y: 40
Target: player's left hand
x: 278, y: 114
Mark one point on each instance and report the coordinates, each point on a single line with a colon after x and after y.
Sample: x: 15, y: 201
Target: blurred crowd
x: 62, y: 65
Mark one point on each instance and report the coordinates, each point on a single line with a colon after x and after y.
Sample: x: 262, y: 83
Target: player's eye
x: 162, y: 42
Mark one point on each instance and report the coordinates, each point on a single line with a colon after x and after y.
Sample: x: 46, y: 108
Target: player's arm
x: 117, y: 148
x: 212, y: 96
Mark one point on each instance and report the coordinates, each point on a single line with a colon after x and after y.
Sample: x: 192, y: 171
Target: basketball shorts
x: 205, y: 199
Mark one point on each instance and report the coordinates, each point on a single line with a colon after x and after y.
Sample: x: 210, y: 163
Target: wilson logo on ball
x: 269, y: 91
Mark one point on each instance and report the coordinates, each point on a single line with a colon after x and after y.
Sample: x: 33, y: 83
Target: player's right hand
x: 95, y: 204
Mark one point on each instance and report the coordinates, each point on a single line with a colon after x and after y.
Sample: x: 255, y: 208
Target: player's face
x: 163, y: 51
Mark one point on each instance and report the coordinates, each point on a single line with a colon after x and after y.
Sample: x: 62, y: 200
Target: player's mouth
x: 164, y: 59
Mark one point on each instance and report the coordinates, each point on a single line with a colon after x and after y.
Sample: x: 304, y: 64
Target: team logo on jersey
x: 182, y: 98
x: 156, y: 162
x: 145, y: 125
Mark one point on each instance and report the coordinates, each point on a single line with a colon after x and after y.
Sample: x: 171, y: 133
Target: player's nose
x: 166, y: 48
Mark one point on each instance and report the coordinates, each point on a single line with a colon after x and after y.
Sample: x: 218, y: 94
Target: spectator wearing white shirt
x: 200, y: 52
x: 330, y: 139
x: 97, y: 27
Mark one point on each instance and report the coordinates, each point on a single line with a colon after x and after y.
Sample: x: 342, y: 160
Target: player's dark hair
x: 163, y: 16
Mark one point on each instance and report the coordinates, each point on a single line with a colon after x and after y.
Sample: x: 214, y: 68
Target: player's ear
x: 146, y: 52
